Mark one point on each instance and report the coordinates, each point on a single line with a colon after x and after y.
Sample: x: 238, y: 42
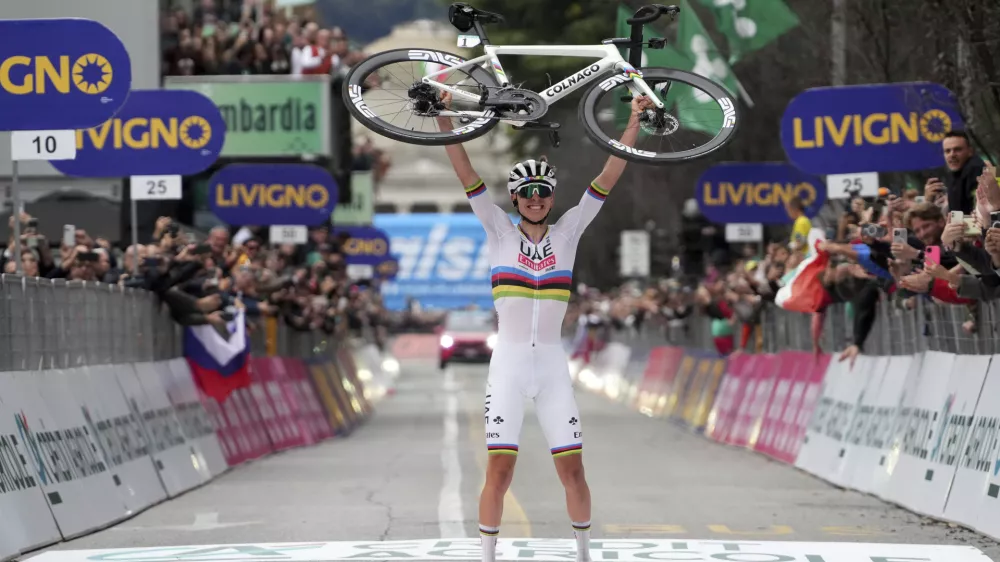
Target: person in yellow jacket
x: 801, y: 225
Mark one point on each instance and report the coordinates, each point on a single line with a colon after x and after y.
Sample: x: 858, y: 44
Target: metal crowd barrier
x: 928, y: 326
x: 59, y: 324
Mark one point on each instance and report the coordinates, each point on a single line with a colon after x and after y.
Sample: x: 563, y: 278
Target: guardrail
x: 102, y: 416
x: 912, y: 421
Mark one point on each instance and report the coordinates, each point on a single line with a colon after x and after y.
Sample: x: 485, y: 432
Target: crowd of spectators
x: 307, y: 287
x: 941, y: 244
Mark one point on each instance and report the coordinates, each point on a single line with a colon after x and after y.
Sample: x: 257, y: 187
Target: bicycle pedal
x: 554, y: 138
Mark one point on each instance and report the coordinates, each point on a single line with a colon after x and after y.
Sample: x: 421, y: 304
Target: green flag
x: 694, y: 52
x: 750, y: 24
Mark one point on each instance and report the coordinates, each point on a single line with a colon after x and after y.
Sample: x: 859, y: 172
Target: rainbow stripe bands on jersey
x: 475, y: 189
x: 511, y: 282
x: 567, y: 450
x: 597, y: 192
x: 501, y: 449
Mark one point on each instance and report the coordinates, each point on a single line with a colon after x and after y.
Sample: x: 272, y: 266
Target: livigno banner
x: 268, y: 115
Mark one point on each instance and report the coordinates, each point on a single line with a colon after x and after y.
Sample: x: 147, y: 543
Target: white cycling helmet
x: 529, y: 172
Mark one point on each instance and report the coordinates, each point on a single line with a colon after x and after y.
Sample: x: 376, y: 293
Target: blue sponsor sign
x: 58, y: 74
x: 156, y: 132
x: 367, y: 245
x: 266, y: 194
x: 869, y: 128
x: 756, y: 192
x: 388, y: 268
x: 443, y: 260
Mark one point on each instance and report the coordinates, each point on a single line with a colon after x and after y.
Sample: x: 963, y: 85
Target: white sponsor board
x: 986, y: 498
x: 869, y: 467
x: 27, y: 521
x: 973, y: 498
x: 76, y: 481
x: 826, y: 446
x: 113, y: 426
x: 174, y: 457
x: 542, y: 550
x: 866, y: 380
x: 928, y: 444
x: 197, y: 422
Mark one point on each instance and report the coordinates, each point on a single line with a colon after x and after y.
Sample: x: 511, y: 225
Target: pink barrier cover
x: 305, y: 403
x: 663, y: 378
x: 282, y: 428
x: 252, y: 422
x: 231, y: 439
x: 655, y: 365
x: 801, y: 403
x: 730, y: 395
x: 286, y: 390
x: 758, y: 375
x: 789, y: 366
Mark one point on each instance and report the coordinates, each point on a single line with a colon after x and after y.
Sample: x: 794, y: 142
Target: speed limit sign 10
x: 744, y: 232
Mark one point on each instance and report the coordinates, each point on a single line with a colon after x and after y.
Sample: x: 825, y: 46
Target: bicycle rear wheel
x: 699, y: 117
x: 390, y: 82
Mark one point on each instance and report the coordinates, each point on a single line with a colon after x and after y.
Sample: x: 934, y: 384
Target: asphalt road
x: 414, y: 471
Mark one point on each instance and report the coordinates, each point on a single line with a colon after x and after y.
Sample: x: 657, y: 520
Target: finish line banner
x: 554, y: 550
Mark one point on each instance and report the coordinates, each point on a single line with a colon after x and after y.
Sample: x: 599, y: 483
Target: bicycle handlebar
x: 657, y: 11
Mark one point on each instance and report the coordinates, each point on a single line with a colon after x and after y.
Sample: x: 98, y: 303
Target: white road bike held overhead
x: 677, y: 129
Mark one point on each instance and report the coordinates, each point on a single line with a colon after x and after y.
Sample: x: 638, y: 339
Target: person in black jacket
x: 960, y: 179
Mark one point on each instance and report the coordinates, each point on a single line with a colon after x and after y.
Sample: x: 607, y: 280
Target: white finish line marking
x: 450, y: 516
x: 532, y: 549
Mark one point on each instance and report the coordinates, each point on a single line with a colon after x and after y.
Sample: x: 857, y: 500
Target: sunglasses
x: 527, y: 191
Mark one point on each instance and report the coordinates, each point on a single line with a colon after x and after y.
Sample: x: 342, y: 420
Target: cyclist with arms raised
x: 531, y: 268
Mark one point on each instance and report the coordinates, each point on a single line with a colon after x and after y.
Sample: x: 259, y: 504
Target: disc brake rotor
x: 658, y: 122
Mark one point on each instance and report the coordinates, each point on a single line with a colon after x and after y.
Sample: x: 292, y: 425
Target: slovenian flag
x: 802, y: 289
x: 219, y: 365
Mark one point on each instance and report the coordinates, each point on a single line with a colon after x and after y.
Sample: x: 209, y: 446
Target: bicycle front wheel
x: 385, y: 93
x: 698, y: 118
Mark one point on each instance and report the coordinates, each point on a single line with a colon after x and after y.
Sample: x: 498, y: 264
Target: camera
x: 874, y: 231
x: 995, y: 219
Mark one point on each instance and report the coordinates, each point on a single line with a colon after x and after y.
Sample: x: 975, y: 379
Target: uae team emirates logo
x: 536, y: 265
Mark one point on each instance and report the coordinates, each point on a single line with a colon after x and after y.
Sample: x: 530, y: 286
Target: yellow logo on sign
x: 273, y: 196
x: 762, y: 194
x: 140, y: 133
x: 360, y: 246
x: 42, y: 72
x: 876, y: 129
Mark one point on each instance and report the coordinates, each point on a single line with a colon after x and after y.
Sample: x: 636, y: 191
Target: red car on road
x: 467, y: 336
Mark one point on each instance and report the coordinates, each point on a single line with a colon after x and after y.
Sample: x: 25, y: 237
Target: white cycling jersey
x: 532, y: 281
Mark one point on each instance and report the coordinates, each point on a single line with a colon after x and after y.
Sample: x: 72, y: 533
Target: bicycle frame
x: 608, y: 55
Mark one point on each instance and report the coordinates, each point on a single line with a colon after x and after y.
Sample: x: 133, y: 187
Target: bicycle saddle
x: 462, y: 16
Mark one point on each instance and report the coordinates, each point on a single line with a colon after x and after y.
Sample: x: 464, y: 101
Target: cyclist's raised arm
x: 615, y: 166
x: 493, y: 218
x: 575, y: 220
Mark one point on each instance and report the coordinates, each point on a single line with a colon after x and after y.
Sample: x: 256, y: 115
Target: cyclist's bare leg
x: 571, y: 474
x: 499, y: 474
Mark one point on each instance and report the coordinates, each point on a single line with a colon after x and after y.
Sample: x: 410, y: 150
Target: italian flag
x: 802, y: 289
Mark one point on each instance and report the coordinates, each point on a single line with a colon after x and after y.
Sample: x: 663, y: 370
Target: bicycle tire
x: 591, y: 98
x: 352, y: 91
